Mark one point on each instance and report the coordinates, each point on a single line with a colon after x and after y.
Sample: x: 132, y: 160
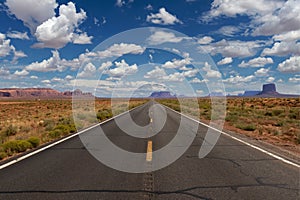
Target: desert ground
x: 272, y: 120
x: 27, y: 124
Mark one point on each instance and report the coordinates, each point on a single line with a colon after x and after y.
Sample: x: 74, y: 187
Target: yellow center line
x: 151, y: 120
x: 149, y: 151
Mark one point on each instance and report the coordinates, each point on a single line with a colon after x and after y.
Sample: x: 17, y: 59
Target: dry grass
x: 46, y: 120
x: 275, y: 120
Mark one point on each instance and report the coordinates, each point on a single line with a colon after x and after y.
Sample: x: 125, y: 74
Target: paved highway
x: 232, y: 170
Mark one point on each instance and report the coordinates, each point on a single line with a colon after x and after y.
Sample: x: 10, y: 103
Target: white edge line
x: 237, y: 139
x: 62, y: 140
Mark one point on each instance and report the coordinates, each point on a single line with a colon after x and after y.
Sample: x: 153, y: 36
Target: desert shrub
x: 204, y: 105
x: 104, y: 114
x: 48, y: 124
x: 175, y: 107
x: 231, y: 117
x: 3, y: 155
x: 81, y: 116
x: 270, y: 114
x: 72, y: 128
x: 298, y: 139
x: 276, y: 112
x: 10, y: 147
x: 276, y: 132
x: 280, y: 123
x: 207, y: 116
x: 2, y: 137
x: 34, y: 141
x: 48, y: 114
x: 215, y: 116
x: 292, y: 116
x: 55, y: 134
x: 246, y: 127
x: 23, y: 145
x: 92, y: 119
x: 133, y: 105
x: 16, y: 146
x: 25, y: 129
x: 79, y: 125
x: 64, y: 129
x: 11, y: 130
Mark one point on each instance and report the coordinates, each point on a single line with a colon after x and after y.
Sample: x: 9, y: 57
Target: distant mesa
x: 29, y: 92
x: 250, y: 93
x: 77, y: 92
x: 162, y: 94
x: 39, y: 93
x: 268, y: 90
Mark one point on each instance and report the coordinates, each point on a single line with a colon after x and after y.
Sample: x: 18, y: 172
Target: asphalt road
x: 232, y: 170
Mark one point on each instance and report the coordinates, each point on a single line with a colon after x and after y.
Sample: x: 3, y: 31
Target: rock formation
x: 269, y: 90
x: 250, y: 93
x: 39, y: 93
x: 162, y: 94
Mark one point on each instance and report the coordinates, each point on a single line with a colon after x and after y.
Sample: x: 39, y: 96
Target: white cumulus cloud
x: 56, y: 32
x: 18, y: 35
x: 239, y: 79
x: 32, y: 12
x: 175, y: 64
x: 190, y: 73
x: 82, y: 38
x: 175, y: 77
x: 34, y: 77
x: 283, y: 48
x: 257, y: 62
x: 234, y: 48
x: 51, y: 64
x: 233, y: 8
x: 5, y: 46
x: 50, y: 30
x: 291, y: 65
x: 120, y: 3
x: 224, y: 61
x: 4, y: 72
x: 157, y: 73
x: 280, y: 19
x: 160, y: 37
x: 197, y: 80
x: 88, y: 71
x: 211, y: 73
x: 205, y: 40
x: 46, y: 81
x: 105, y: 65
x: 294, y: 79
x: 122, y: 69
x: 7, y: 49
x: 262, y: 72
x: 288, y: 36
x: 121, y: 49
x: 163, y: 17
x: 21, y: 73
x: 270, y: 79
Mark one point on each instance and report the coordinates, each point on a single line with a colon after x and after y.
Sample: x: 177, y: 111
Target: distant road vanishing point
x: 232, y: 170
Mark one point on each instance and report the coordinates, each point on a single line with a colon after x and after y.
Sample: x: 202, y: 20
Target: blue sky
x: 58, y: 43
